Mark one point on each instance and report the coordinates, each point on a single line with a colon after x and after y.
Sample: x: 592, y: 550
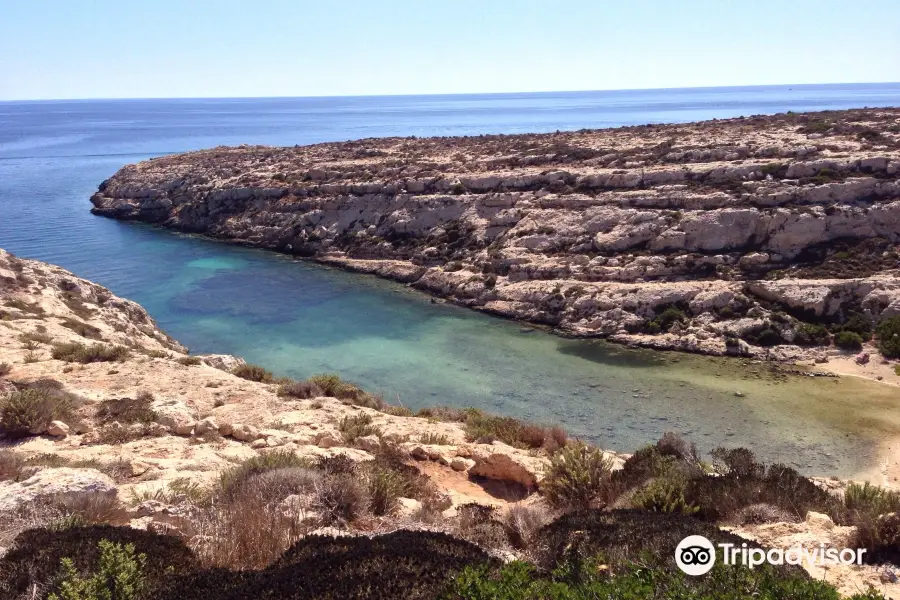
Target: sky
x: 57, y: 49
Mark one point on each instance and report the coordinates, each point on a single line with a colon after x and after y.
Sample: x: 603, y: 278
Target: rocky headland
x: 760, y: 236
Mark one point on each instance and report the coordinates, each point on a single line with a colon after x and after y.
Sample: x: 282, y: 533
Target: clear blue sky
x: 206, y: 48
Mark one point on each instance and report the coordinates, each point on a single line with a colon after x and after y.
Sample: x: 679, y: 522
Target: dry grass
x: 246, y: 532
x: 523, y: 522
x: 300, y: 389
x: 5, y: 368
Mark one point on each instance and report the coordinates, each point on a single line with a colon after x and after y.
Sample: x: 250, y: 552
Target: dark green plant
x: 808, y: 334
x: 889, y: 337
x: 848, y: 340
x: 119, y: 576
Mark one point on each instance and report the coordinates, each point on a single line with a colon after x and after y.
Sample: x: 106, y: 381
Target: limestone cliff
x: 597, y: 233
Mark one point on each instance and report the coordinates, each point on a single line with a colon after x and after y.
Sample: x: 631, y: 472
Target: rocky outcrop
x: 73, y: 484
x: 592, y: 232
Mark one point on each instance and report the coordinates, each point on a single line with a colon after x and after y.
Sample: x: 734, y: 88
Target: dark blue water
x: 301, y: 319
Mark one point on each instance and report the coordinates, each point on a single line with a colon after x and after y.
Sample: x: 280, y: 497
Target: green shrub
x: 665, y: 495
x: 434, y: 439
x: 119, y: 576
x: 188, y: 361
x: 857, y: 323
x: 385, y: 487
x: 581, y: 579
x: 871, y: 499
x: 578, y: 477
x: 353, y: 427
x: 30, y: 411
x: 76, y: 352
x: 889, y: 337
x: 808, y: 334
x: 848, y: 340
x: 253, y: 373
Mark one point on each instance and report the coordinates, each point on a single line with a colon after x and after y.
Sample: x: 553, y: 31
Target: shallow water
x: 299, y: 318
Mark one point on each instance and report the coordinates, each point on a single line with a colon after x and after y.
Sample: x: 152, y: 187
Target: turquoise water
x: 299, y: 318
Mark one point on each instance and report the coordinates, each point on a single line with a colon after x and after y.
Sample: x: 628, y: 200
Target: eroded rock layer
x: 594, y: 232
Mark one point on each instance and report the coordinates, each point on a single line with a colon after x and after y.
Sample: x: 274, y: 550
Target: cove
x: 299, y: 318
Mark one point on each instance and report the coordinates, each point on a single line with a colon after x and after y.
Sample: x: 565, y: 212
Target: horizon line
x: 326, y: 96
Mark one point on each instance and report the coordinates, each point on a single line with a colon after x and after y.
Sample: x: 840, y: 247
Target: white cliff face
x: 592, y: 232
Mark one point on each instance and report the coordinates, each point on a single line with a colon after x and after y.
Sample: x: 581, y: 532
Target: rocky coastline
x: 111, y: 430
x: 744, y: 236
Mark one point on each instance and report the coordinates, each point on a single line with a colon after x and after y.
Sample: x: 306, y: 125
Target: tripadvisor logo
x: 696, y: 555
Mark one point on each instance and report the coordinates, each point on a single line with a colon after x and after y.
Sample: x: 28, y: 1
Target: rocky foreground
x: 750, y: 231
x: 105, y: 420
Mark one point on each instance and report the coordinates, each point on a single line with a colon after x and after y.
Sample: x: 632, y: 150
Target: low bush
x: 353, y: 427
x: 5, y: 368
x: 888, y: 332
x: 664, y: 494
x: 30, y: 411
x: 341, y: 498
x: 81, y: 328
x: 578, y: 478
x: 576, y: 580
x: 385, y: 488
x: 443, y: 413
x: 300, y: 389
x: 848, y: 340
x: 232, y: 479
x: 523, y: 522
x: 484, y: 427
x: 434, y: 439
x: 33, y: 338
x: 857, y: 323
x: 76, y: 352
x: 188, y: 361
x: 119, y: 574
x: 127, y: 410
x: 253, y: 373
x: 35, y: 557
x: 808, y: 334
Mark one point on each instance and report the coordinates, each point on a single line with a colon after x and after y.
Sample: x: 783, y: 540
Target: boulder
x: 328, y: 439
x: 47, y: 483
x: 504, y: 463
x: 58, y: 429
x: 223, y: 362
x: 244, y: 433
x: 175, y: 416
x: 206, y: 425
